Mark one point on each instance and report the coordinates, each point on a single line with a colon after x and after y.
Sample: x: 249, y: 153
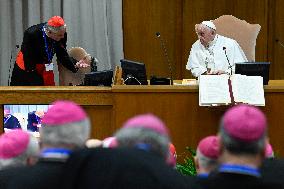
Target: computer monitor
x: 99, y: 78
x: 25, y: 116
x: 133, y: 73
x: 254, y: 69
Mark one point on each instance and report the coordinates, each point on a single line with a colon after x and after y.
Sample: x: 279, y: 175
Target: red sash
x: 48, y: 76
x: 20, y: 60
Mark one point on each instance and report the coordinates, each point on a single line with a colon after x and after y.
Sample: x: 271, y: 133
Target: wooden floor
x: 178, y: 106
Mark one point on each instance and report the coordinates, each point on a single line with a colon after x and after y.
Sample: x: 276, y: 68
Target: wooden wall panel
x: 275, y: 119
x: 186, y: 127
x: 141, y: 20
x: 101, y: 119
x: 177, y: 106
x: 276, y: 31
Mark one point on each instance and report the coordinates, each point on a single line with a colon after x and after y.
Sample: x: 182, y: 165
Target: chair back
x: 241, y: 31
x: 66, y: 77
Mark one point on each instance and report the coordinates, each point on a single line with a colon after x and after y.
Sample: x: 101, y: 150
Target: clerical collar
x: 203, y: 175
x: 143, y: 146
x: 240, y: 169
x: 55, y: 153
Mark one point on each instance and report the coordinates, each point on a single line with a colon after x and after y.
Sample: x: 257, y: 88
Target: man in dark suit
x: 146, y: 132
x: 120, y: 168
x: 10, y: 121
x: 33, y: 66
x: 242, y: 144
x: 17, y: 149
x: 65, y: 127
x: 33, y: 121
x: 207, y: 154
x: 272, y: 170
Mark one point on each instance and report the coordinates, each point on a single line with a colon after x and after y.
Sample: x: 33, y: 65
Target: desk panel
x: 178, y: 106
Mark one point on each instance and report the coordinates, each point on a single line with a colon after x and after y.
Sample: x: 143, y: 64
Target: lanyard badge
x: 47, y: 74
x: 49, y: 52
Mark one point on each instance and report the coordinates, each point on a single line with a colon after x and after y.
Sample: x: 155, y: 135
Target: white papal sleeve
x: 194, y: 62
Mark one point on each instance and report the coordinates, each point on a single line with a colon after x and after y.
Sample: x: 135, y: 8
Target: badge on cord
x: 49, y: 67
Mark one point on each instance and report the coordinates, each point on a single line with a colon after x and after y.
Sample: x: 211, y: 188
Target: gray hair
x: 238, y: 147
x: 21, y: 160
x: 130, y: 137
x: 55, y: 29
x: 74, y: 134
x: 205, y: 162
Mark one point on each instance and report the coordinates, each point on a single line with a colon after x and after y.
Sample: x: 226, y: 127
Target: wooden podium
x: 109, y: 107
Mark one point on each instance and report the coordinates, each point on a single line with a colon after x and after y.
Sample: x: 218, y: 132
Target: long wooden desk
x: 178, y: 106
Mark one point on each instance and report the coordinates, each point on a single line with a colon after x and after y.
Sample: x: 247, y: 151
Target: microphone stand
x: 163, y: 46
x: 10, y: 66
x: 230, y: 66
x: 131, y: 77
x: 280, y: 43
x: 94, y: 63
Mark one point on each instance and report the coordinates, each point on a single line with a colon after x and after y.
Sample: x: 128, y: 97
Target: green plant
x: 188, y: 165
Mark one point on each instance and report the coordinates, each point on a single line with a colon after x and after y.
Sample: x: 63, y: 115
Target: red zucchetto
x: 56, y: 21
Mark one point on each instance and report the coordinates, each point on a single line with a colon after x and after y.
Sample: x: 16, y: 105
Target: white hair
x: 130, y: 137
x: 21, y: 160
x: 241, y: 147
x: 55, y: 29
x: 68, y: 134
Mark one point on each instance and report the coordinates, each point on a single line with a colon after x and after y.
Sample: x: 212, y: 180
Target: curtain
x: 95, y: 25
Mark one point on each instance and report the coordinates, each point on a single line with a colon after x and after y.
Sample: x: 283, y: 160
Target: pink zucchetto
x: 209, y: 147
x: 148, y: 121
x: 63, y: 112
x: 245, y: 123
x: 110, y: 142
x: 13, y: 143
x: 269, y: 151
x: 171, y: 160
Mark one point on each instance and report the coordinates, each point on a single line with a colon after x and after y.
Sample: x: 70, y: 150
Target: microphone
x: 230, y: 66
x: 166, y: 55
x: 280, y: 43
x: 158, y: 34
x: 94, y: 63
x: 10, y: 66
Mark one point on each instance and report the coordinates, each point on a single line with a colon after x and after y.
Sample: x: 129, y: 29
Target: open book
x: 225, y: 90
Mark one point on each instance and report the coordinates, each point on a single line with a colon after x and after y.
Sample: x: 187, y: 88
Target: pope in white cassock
x: 213, y: 53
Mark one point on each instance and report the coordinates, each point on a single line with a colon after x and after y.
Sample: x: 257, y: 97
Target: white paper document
x: 214, y: 89
x: 248, y: 89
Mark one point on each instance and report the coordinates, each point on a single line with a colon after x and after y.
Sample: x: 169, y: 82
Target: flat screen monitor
x: 26, y: 117
x: 254, y: 69
x: 99, y: 78
x: 133, y: 73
